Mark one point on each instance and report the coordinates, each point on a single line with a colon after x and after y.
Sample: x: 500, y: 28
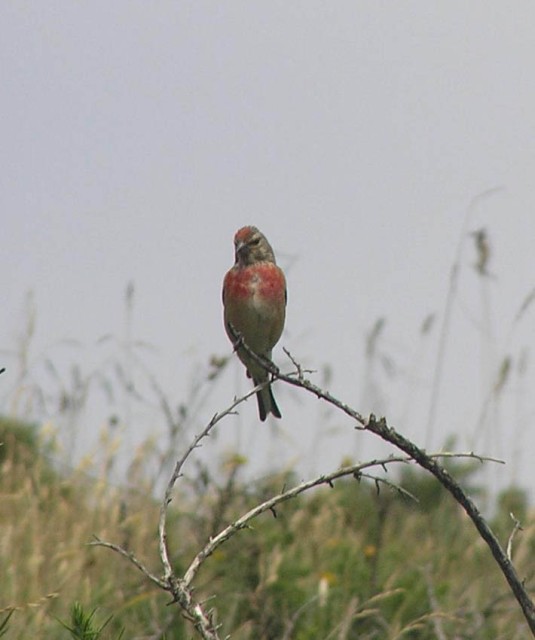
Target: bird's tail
x: 266, y: 403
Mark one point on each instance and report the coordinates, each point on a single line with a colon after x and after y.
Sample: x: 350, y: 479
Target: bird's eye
x: 254, y: 242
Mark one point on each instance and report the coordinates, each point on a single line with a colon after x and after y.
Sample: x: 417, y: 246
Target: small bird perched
x: 254, y: 300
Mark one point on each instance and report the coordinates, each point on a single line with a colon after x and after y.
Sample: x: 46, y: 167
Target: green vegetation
x: 341, y: 563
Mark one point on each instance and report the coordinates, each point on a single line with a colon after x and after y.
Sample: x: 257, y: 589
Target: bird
x: 254, y: 302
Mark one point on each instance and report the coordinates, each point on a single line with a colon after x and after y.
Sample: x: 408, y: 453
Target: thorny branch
x: 269, y: 505
x: 97, y: 542
x: 181, y: 588
x: 517, y: 527
x: 177, y: 472
x: 180, y: 592
x: 387, y: 433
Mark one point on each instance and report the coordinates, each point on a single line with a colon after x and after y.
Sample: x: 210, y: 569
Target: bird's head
x: 251, y: 246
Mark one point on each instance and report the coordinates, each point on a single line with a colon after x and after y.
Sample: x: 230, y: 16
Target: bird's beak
x: 240, y: 246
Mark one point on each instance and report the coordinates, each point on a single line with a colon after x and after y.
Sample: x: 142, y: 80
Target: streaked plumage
x: 254, y: 300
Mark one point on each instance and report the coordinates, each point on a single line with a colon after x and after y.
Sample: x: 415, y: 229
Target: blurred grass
x: 341, y: 563
x: 344, y: 563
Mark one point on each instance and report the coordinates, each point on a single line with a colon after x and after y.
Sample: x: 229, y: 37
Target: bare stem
x: 181, y: 588
x: 384, y: 431
x: 269, y: 505
x: 177, y: 472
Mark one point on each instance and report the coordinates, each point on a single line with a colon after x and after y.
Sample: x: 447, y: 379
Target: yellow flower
x: 370, y: 551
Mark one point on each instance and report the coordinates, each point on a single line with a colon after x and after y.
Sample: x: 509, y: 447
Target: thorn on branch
x: 296, y: 364
x: 272, y: 509
x: 517, y: 527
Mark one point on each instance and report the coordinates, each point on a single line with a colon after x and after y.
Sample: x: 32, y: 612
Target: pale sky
x: 137, y: 137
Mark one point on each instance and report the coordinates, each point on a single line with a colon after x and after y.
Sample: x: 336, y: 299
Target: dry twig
x: 389, y: 434
x: 181, y: 588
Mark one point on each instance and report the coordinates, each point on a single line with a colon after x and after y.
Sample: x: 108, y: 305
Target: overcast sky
x: 366, y: 139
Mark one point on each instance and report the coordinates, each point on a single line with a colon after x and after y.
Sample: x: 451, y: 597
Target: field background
x: 387, y: 151
x: 352, y: 561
